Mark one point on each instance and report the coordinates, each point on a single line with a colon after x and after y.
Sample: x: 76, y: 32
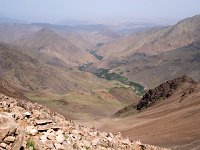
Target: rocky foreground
x: 27, y: 125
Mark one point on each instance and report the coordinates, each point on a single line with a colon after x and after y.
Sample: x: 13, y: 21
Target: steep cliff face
x: 26, y: 125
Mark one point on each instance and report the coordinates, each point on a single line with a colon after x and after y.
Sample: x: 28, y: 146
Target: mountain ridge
x: 171, y: 114
x: 140, y: 66
x: 156, y: 40
x: 162, y: 92
x: 54, y: 45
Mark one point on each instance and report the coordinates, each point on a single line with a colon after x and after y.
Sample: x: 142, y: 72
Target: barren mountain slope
x: 151, y: 71
x: 65, y: 89
x: 93, y: 34
x: 49, y: 43
x: 78, y: 40
x: 9, y: 32
x: 19, y: 69
x: 156, y: 40
x: 171, y: 118
x: 26, y: 125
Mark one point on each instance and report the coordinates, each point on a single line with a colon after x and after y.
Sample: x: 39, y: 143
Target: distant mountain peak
x: 46, y: 31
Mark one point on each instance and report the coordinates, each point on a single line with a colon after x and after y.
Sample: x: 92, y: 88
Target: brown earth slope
x: 48, y: 42
x: 153, y: 57
x: 151, y: 71
x: 65, y: 89
x: 155, y: 41
x: 10, y: 32
x: 171, y: 122
x: 20, y: 70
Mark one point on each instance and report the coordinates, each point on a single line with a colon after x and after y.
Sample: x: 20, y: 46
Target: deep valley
x: 142, y: 82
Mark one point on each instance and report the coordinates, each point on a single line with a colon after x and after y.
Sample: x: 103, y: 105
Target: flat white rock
x: 60, y: 138
x: 43, y: 138
x: 33, y: 131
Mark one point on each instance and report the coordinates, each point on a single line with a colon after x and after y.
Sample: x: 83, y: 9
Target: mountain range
x: 154, y: 56
x: 141, y: 82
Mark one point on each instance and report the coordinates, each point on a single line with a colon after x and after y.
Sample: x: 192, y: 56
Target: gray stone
x: 33, y: 131
x: 86, y: 143
x: 59, y: 132
x: 26, y: 114
x: 95, y: 141
x: 43, y: 138
x: 9, y: 139
x: 50, y: 135
x: 59, y: 146
x: 18, y: 142
x: 109, y: 139
x: 3, y: 133
x: 47, y: 127
x: 7, y: 125
x: 43, y: 127
x: 43, y: 122
x: 55, y: 127
x: 29, y: 128
x: 60, y: 138
x: 50, y: 145
x: 3, y: 145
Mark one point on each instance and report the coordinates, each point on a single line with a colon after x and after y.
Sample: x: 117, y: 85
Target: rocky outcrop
x: 161, y: 92
x: 26, y: 125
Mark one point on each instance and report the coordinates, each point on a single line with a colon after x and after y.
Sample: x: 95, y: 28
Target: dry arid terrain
x: 154, y: 56
x: 166, y: 116
x: 26, y: 125
x: 60, y: 86
x: 156, y: 40
x: 78, y: 86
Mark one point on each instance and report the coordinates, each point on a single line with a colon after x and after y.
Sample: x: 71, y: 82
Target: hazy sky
x: 57, y: 10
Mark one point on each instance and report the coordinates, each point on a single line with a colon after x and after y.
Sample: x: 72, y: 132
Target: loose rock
x: 43, y: 138
x: 45, y: 129
x: 3, y: 145
x: 33, y: 131
x: 60, y: 138
x: 9, y: 139
x: 42, y: 122
x: 26, y: 114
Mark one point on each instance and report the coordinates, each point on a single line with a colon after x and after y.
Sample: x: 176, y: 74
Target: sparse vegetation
x: 95, y: 55
x: 138, y: 88
x: 82, y: 68
x: 99, y: 44
x: 31, y: 144
x: 104, y: 73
